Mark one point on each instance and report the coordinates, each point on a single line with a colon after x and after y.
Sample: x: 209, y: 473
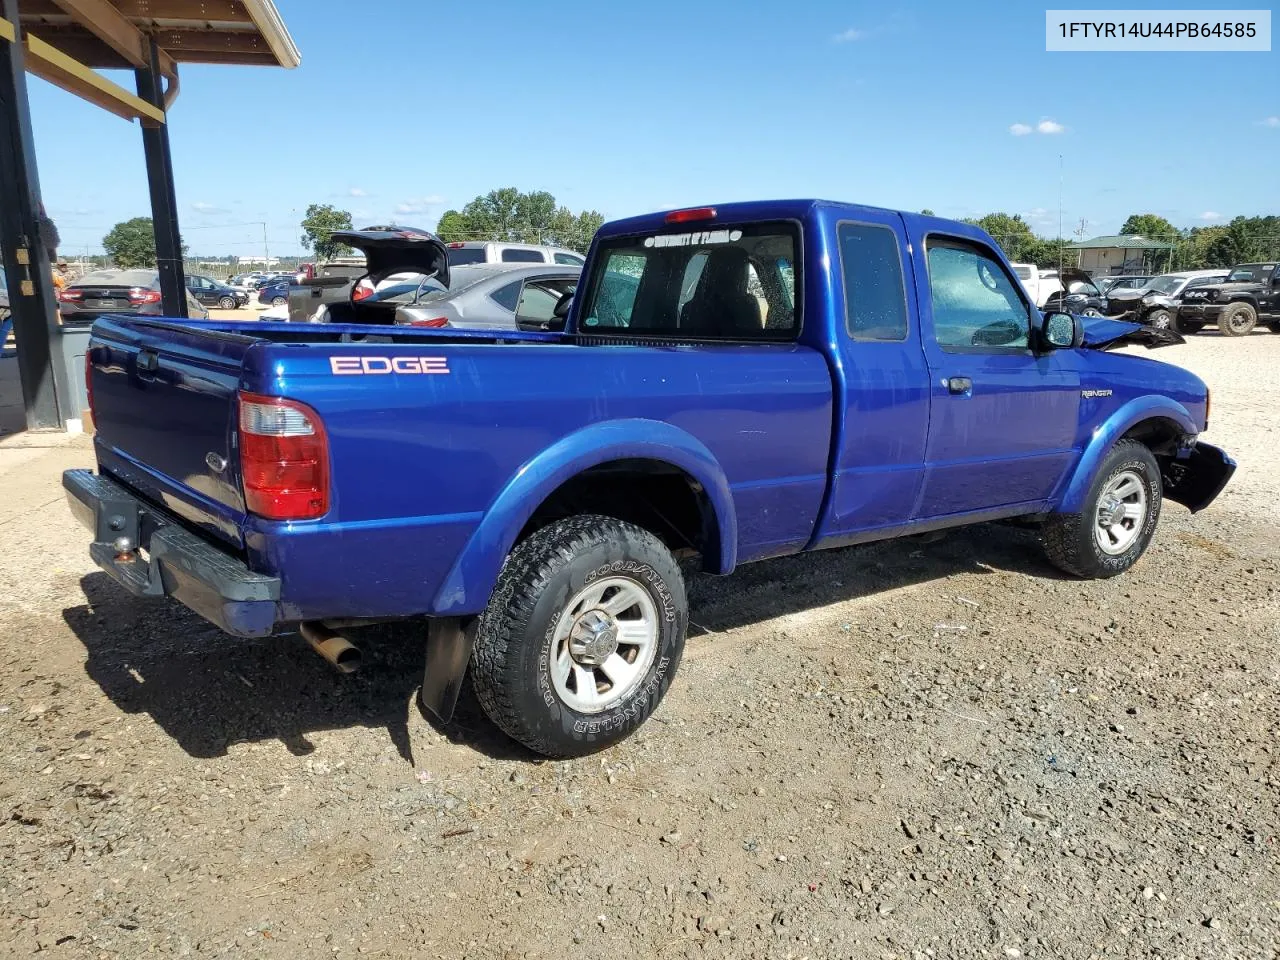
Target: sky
x: 415, y: 107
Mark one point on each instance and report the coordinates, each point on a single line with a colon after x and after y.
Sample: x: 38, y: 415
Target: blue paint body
x: 796, y: 446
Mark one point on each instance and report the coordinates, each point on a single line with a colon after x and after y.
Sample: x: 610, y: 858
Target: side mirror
x: 1061, y: 331
x: 561, y: 311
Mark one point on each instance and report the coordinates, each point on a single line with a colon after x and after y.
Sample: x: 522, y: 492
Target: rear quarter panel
x: 417, y: 460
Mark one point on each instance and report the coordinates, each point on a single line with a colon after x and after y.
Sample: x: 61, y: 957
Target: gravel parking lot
x: 905, y: 750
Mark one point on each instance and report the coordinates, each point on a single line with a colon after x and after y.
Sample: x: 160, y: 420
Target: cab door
x: 882, y: 380
x: 1003, y: 418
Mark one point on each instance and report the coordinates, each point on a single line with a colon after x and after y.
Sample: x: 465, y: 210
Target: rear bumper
x: 178, y: 564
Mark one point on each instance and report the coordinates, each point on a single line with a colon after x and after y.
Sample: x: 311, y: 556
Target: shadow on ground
x: 208, y: 690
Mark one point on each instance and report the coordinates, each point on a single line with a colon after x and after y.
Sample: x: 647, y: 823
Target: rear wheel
x: 581, y: 637
x: 1238, y: 320
x: 1117, y: 519
x: 227, y: 303
x: 278, y: 301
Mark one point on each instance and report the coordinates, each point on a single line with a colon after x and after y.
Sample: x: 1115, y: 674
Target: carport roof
x: 1126, y: 241
x: 99, y: 33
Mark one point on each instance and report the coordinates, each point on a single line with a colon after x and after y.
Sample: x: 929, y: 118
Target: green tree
x: 318, y: 225
x: 453, y: 227
x: 132, y: 243
x: 507, y: 214
x: 1150, y: 225
x: 926, y: 212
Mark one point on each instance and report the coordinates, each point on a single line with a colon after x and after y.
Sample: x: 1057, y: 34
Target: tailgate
x: 164, y: 403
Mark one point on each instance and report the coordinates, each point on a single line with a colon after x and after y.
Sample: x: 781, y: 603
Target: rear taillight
x: 433, y: 322
x: 284, y: 458
x: 363, y: 290
x: 143, y: 295
x: 70, y: 296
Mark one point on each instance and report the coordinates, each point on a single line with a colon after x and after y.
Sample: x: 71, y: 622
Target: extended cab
x: 732, y: 384
x: 1251, y: 293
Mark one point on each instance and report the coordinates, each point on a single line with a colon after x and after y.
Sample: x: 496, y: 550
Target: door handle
x: 148, y: 361
x: 961, y: 386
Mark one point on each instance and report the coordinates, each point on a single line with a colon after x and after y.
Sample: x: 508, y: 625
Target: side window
x: 874, y: 296
x: 975, y: 306
x: 507, y: 296
x: 516, y: 255
x: 539, y: 298
x: 618, y: 288
x: 570, y: 258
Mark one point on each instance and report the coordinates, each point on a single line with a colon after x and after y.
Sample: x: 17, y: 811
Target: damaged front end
x: 1103, y: 333
x: 1196, y: 475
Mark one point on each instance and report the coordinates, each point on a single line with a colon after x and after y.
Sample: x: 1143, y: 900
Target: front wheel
x: 1238, y: 320
x: 227, y: 303
x: 1091, y: 312
x: 1117, y: 519
x: 1160, y: 319
x: 581, y: 637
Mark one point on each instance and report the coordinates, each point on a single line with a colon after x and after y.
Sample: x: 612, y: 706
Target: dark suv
x: 1251, y: 293
x: 213, y: 293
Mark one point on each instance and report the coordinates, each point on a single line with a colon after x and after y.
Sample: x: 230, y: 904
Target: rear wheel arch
x: 578, y: 464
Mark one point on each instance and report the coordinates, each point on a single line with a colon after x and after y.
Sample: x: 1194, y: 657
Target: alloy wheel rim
x: 1121, y: 513
x: 603, y: 645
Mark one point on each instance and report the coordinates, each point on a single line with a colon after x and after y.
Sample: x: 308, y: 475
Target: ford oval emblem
x: 216, y: 463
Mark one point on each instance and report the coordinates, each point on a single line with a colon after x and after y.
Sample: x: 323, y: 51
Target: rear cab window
x: 516, y: 255
x: 461, y: 255
x: 726, y: 283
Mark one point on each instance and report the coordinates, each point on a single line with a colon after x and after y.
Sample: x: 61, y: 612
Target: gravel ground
x: 904, y: 750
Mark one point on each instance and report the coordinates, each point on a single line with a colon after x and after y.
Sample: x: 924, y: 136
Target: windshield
x: 1205, y: 281
x: 1245, y: 274
x: 1166, y: 285
x: 731, y: 283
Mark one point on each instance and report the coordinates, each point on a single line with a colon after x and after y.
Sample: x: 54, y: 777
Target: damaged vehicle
x: 772, y: 378
x: 1156, y: 303
x: 1079, y: 295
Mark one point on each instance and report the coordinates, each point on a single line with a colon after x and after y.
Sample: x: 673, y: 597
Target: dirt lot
x: 905, y: 750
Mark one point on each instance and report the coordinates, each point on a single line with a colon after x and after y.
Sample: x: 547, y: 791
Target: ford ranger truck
x: 732, y: 383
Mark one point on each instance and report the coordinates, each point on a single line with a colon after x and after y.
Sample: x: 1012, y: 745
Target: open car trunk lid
x: 164, y: 406
x: 1101, y: 333
x: 399, y: 250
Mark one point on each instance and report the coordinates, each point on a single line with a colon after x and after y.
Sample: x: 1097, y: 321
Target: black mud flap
x: 449, y: 642
x: 1196, y: 481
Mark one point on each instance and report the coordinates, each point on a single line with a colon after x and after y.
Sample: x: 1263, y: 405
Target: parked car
x: 480, y: 296
x: 1107, y: 284
x: 677, y: 421
x: 215, y: 294
x: 276, y: 292
x: 135, y: 292
x: 481, y: 251
x: 1248, y: 294
x: 1081, y: 295
x: 1039, y: 284
x: 1156, y: 303
x: 335, y: 281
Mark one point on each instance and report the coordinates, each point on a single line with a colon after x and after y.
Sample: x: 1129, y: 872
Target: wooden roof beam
x: 105, y: 21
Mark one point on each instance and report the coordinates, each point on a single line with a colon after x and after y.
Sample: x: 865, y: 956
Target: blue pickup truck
x: 731, y: 384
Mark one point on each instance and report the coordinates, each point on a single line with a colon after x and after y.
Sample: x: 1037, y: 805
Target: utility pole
x: 1060, y: 180
x: 266, y: 254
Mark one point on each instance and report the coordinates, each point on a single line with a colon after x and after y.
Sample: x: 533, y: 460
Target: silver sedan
x: 486, y: 295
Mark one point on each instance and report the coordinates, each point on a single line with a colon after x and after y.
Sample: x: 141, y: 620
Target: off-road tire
x: 509, y: 662
x: 1187, y: 327
x: 1162, y: 319
x: 1237, y: 320
x: 227, y: 303
x: 1069, y: 539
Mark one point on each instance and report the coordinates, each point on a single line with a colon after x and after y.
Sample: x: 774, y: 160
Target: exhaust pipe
x: 340, y: 652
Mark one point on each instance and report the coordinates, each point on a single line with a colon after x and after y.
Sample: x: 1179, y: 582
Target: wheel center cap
x: 594, y: 638
x: 1109, y: 511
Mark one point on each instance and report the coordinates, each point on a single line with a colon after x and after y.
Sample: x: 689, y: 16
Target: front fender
x: 467, y: 587
x: 1112, y: 429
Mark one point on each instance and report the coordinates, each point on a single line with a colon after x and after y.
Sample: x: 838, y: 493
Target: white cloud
x: 1210, y: 215
x: 1270, y: 122
x: 849, y: 36
x: 1049, y: 126
x: 358, y: 192
x: 1019, y: 129
x: 201, y: 207
x: 419, y: 204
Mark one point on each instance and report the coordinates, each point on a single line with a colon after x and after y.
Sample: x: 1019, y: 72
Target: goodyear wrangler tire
x: 582, y: 636
x: 1116, y: 521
